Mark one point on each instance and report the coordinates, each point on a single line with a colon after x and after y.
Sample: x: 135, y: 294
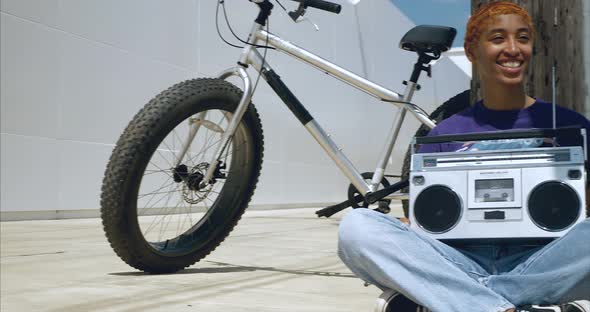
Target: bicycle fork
x: 195, y: 124
x: 234, y: 121
x: 239, y: 71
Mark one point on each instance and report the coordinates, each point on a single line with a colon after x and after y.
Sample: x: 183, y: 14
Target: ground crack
x: 36, y: 254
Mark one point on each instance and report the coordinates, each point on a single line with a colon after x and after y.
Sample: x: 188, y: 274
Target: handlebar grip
x: 322, y: 5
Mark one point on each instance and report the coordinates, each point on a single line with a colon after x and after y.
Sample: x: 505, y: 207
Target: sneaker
x: 574, y: 306
x: 392, y: 301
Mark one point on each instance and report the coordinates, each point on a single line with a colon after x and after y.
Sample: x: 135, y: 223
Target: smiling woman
x: 487, y: 276
x: 557, y: 52
x: 500, y: 47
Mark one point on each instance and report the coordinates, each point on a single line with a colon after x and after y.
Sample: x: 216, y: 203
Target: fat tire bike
x: 186, y: 166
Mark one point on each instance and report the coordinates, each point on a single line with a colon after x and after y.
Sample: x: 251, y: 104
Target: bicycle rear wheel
x: 156, y: 215
x: 447, y: 109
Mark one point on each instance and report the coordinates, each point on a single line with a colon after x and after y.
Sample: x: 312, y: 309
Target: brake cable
x: 222, y: 2
x: 266, y: 47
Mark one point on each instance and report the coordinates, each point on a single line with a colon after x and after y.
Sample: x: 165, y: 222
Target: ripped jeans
x: 487, y: 278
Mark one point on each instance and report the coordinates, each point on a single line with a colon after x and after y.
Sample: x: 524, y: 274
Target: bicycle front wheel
x: 156, y: 213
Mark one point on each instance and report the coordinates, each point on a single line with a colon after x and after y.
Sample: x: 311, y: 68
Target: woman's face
x: 503, y: 52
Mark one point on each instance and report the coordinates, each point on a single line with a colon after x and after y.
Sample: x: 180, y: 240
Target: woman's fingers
x: 405, y: 220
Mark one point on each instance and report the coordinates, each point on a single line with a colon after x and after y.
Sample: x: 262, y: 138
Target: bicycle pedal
x: 383, y: 207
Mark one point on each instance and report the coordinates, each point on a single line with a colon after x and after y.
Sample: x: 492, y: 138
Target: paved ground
x: 279, y: 260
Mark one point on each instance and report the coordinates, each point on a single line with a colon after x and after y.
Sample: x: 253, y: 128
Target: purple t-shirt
x: 479, y: 118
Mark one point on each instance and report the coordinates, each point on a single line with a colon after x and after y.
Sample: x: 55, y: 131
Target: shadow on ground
x: 233, y: 268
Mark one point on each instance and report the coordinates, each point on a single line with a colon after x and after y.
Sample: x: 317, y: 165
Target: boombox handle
x: 509, y: 134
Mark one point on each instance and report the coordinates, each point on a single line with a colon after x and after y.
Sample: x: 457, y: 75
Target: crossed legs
x: 385, y: 252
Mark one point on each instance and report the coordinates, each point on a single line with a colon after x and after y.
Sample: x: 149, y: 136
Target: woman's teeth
x: 511, y: 64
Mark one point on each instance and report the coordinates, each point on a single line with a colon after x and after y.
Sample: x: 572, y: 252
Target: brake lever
x: 297, y: 16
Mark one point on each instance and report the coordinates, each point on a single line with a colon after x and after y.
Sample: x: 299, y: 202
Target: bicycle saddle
x: 428, y: 39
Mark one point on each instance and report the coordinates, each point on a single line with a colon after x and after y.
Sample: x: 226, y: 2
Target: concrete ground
x: 277, y: 260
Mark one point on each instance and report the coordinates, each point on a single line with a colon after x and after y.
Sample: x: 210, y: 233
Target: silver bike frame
x: 250, y: 56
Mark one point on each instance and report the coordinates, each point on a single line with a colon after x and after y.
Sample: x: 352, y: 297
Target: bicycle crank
x: 356, y: 200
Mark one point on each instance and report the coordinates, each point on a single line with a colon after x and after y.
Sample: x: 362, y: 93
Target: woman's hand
x: 404, y: 220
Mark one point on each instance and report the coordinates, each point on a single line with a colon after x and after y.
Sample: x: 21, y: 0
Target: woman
x: 484, y: 278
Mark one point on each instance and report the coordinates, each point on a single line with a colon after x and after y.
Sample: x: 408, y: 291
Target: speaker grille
x: 554, y: 206
x: 437, y: 209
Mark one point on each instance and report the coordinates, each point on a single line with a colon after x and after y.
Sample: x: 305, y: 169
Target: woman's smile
x: 511, y: 68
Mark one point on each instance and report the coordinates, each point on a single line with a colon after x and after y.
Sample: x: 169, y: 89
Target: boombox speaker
x: 531, y: 193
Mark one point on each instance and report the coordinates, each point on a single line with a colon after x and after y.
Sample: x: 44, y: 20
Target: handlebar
x: 266, y: 8
x: 322, y: 5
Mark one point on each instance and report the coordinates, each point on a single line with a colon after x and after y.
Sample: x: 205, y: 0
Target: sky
x: 454, y: 13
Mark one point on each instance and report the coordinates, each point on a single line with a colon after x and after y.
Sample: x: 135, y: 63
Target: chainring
x: 353, y: 192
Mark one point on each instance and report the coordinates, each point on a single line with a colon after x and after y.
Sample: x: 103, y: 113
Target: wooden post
x: 559, y: 42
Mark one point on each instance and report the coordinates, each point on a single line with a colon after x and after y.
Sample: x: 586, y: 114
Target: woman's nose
x: 512, y: 47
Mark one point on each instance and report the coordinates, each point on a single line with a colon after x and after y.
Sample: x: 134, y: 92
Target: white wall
x: 74, y: 72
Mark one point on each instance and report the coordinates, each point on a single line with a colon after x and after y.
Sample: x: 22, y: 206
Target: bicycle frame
x: 250, y: 56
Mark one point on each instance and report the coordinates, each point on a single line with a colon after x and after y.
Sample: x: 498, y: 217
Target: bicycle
x: 197, y: 147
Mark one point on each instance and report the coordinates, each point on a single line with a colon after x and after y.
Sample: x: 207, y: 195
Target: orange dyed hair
x: 485, y: 14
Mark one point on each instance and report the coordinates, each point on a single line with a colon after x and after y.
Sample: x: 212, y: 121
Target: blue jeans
x: 484, y: 278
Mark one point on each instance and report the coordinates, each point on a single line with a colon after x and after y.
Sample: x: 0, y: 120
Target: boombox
x: 530, y: 193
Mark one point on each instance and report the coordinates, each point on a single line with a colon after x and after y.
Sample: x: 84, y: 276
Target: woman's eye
x: 497, y: 39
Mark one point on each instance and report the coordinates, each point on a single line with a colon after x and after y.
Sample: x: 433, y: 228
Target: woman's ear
x: 469, y: 54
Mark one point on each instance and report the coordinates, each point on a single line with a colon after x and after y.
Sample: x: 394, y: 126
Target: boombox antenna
x: 553, y: 100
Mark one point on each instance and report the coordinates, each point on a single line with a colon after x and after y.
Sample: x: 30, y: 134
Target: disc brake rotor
x: 191, y: 193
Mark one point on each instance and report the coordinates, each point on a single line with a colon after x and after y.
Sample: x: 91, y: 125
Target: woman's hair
x: 486, y: 14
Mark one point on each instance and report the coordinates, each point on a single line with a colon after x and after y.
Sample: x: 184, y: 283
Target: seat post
x: 420, y: 66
